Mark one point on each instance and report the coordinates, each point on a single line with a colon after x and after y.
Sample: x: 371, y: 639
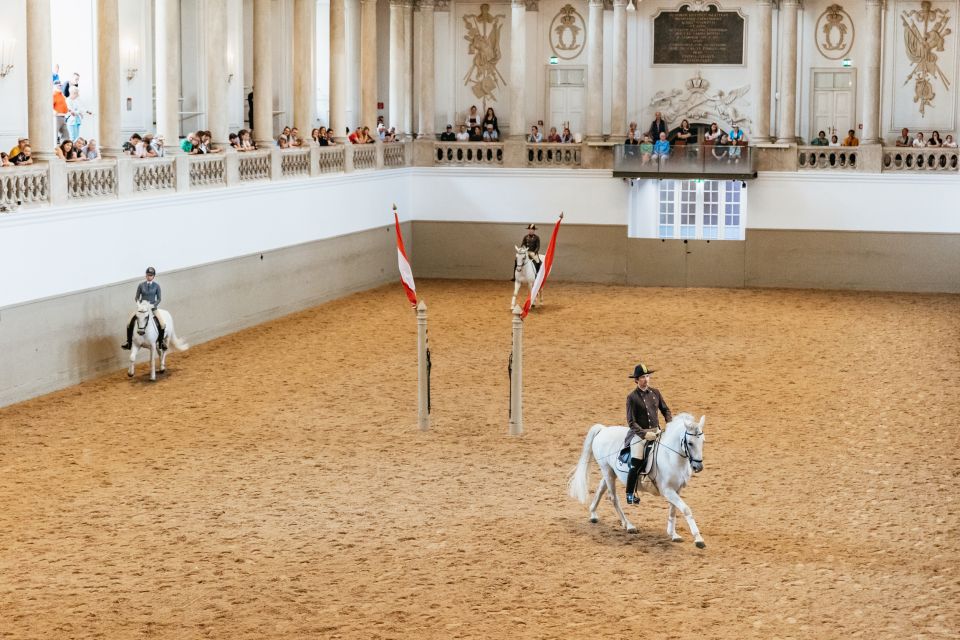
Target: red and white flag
x: 406, y: 274
x: 544, y: 270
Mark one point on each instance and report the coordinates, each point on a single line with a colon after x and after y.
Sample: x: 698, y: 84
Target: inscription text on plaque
x: 698, y: 37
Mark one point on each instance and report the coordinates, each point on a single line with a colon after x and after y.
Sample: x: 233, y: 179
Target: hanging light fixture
x: 630, y: 7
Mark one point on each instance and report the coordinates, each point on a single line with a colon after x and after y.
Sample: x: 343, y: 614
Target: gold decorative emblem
x: 483, y: 34
x: 925, y: 32
x: 833, y: 28
x: 565, y: 31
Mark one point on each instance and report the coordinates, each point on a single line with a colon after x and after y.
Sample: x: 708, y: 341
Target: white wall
x: 13, y: 88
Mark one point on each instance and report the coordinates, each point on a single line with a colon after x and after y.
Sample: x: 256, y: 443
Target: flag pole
x: 423, y: 373
x: 516, y: 375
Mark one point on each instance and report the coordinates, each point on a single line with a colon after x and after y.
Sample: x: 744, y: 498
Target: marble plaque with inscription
x: 698, y: 37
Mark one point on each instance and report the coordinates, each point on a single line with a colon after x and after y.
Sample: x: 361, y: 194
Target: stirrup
x: 633, y: 498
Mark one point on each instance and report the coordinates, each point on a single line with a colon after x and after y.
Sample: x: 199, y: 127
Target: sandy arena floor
x: 274, y: 483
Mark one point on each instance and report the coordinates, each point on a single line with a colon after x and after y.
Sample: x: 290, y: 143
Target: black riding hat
x: 641, y: 370
x: 532, y: 227
x: 151, y: 271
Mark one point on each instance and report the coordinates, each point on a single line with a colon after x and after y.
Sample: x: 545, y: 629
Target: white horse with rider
x: 677, y: 454
x: 145, y: 337
x: 525, y: 272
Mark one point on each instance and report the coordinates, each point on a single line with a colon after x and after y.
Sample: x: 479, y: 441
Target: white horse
x: 676, y: 456
x: 145, y: 337
x: 525, y: 272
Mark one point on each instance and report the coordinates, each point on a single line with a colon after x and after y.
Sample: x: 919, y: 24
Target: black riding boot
x: 161, y: 345
x: 632, y: 477
x: 129, y: 334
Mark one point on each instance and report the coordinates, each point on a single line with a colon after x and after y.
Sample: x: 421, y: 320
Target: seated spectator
x: 463, y: 135
x: 851, y: 140
x: 66, y: 151
x: 713, y: 135
x: 633, y: 136
x: 553, y: 136
x: 904, y: 140
x: 16, y: 148
x: 475, y: 134
x: 935, y: 140
x: 834, y: 141
x: 820, y: 140
x: 190, y: 144
x: 5, y: 159
x: 646, y: 148
x: 919, y: 142
x: 566, y: 137
x: 23, y: 156
x: 283, y: 142
x: 448, y: 135
x: 720, y: 148
x: 491, y: 134
x: 948, y: 142
x: 295, y: 139
x: 90, y: 151
x: 491, y: 119
x: 661, y: 148
x: 535, y: 136
x: 473, y: 118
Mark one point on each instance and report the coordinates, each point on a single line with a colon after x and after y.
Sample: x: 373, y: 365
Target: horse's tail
x: 578, y: 478
x: 181, y: 345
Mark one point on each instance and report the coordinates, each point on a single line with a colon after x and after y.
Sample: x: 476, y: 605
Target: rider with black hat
x: 148, y: 290
x: 643, y: 403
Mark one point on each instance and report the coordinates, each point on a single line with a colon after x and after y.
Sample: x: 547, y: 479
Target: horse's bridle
x: 686, y: 447
x: 522, y: 262
x: 142, y: 330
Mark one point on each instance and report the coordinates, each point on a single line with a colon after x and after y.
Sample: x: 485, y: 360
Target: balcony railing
x: 394, y: 154
x: 154, y: 175
x: 331, y: 159
x: 295, y: 162
x: 209, y: 170
x: 20, y: 186
x: 713, y: 161
x: 89, y: 180
x: 365, y: 156
x: 813, y: 157
x: 254, y: 165
x: 554, y: 155
x: 929, y: 159
x: 468, y: 153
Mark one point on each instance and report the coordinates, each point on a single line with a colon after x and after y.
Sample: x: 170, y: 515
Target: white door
x: 833, y: 102
x: 566, y: 99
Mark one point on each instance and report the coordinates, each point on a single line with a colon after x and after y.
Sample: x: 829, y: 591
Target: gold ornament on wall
x: 567, y: 33
x: 925, y: 33
x: 483, y: 36
x: 834, y: 33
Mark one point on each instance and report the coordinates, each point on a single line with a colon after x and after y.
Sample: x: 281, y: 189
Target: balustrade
x: 295, y: 162
x: 331, y: 159
x: 365, y: 156
x: 468, y: 153
x: 921, y: 159
x: 553, y: 155
x: 207, y: 170
x: 254, y: 165
x: 394, y: 154
x: 827, y: 157
x: 95, y: 179
x: 154, y: 174
x: 24, y: 186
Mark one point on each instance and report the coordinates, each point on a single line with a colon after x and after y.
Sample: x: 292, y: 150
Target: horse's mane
x: 681, y: 421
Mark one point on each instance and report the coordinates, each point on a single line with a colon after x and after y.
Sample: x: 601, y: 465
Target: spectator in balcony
x: 904, y: 140
x: 646, y: 149
x: 566, y: 137
x: 661, y: 148
x: 294, y: 137
x: 491, y: 134
x: 736, y: 135
x: 60, y: 110
x: 919, y: 142
x: 473, y: 118
x: 633, y: 136
x: 286, y: 132
x: 206, y: 143
x: 154, y: 145
x: 366, y: 138
x: 23, y: 156
x: 553, y: 136
x: 90, y: 151
x: 74, y: 114
x: 535, y: 136
x: 381, y: 131
x: 392, y: 135
x: 834, y: 141
x: 475, y: 134
x: 721, y: 147
x: 820, y: 140
x: 283, y: 142
x: 713, y: 135
x: 948, y: 142
x: 246, y: 140
x: 134, y: 146
x: 490, y: 118
x: 448, y: 135
x: 463, y: 135
x: 330, y: 141
x: 684, y: 135
x: 658, y: 126
x: 190, y: 144
x: 935, y: 140
x: 851, y: 140
x: 234, y: 141
x: 16, y: 148
x: 315, y: 134
x: 354, y: 138
x: 66, y: 151
x: 5, y: 159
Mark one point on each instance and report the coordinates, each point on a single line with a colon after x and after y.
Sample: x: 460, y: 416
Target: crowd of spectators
x: 905, y: 140
x: 658, y: 143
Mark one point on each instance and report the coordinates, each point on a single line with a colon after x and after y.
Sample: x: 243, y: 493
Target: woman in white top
x: 919, y: 141
x: 713, y: 134
x: 834, y: 141
x: 948, y: 142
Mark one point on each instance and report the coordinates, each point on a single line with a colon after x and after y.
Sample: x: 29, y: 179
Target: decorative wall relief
x: 568, y: 33
x: 698, y: 104
x: 483, y: 35
x: 834, y: 33
x: 925, y: 32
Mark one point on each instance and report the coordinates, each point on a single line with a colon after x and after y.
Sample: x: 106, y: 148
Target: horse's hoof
x: 594, y: 520
x: 676, y: 539
x: 162, y: 371
x: 701, y: 544
x: 632, y: 530
x: 129, y: 375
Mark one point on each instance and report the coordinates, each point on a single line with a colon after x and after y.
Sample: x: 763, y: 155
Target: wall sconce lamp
x: 7, y: 48
x: 131, y: 56
x: 630, y: 6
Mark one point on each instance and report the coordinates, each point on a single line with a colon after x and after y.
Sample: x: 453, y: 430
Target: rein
x: 684, y: 448
x: 146, y: 322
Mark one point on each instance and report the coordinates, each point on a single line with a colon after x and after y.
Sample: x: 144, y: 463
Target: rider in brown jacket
x: 643, y: 403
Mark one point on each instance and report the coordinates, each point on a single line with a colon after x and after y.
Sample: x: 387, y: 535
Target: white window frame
x: 688, y: 199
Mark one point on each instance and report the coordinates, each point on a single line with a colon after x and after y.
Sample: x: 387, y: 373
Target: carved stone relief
x: 925, y: 32
x: 483, y: 31
x: 834, y: 33
x: 696, y: 102
x: 568, y: 33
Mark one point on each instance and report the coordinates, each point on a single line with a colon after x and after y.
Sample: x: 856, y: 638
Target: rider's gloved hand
x: 650, y: 435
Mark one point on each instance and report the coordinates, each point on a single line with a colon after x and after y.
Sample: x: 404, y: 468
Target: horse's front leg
x: 611, y: 480
x: 153, y: 363
x: 516, y: 290
x: 133, y: 359
x: 674, y: 499
x: 163, y: 361
x: 672, y: 525
x: 596, y: 500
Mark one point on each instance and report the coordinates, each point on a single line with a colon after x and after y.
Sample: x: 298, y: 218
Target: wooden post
x: 516, y: 380
x: 423, y: 380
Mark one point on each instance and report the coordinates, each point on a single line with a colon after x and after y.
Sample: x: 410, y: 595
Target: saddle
x: 625, y: 458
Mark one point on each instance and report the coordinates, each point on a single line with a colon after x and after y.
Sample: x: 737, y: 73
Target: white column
x: 397, y: 46
x: 518, y: 62
x: 407, y: 68
x: 352, y: 11
x: 871, y: 80
x: 595, y: 70
x: 304, y: 71
x: 618, y: 112
x: 338, y: 67
x: 368, y: 63
x: 166, y: 40
x: 787, y: 125
x: 427, y: 68
x: 262, y: 72
x: 108, y: 75
x: 765, y: 68
x: 218, y: 120
x: 39, y: 85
